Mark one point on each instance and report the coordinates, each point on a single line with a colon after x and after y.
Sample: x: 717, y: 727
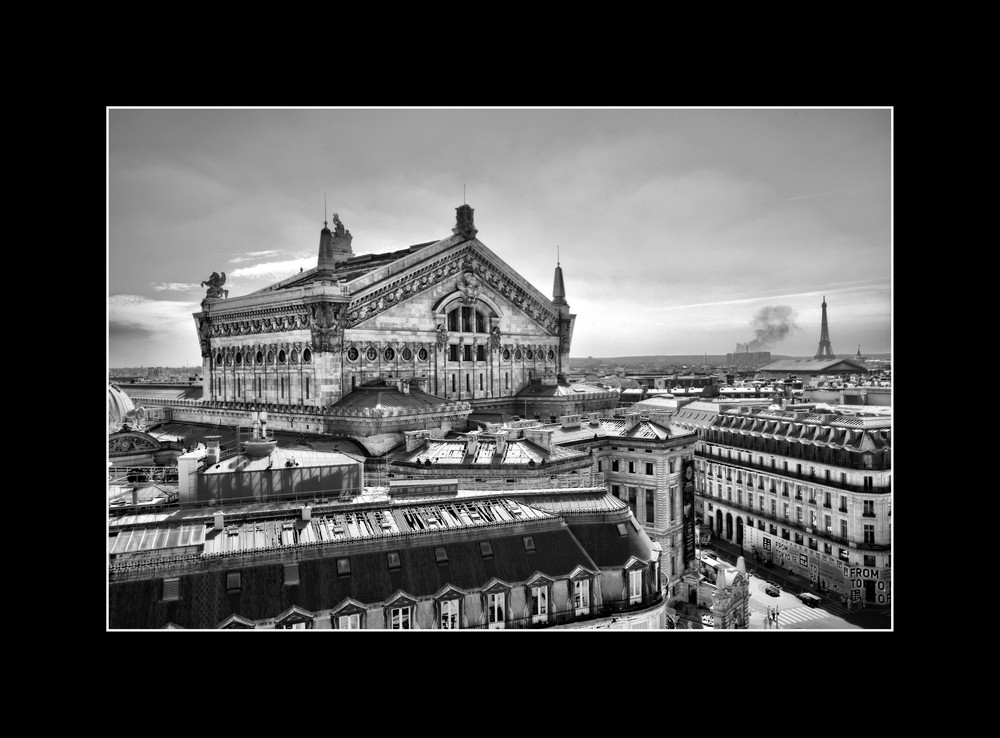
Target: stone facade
x: 451, y: 314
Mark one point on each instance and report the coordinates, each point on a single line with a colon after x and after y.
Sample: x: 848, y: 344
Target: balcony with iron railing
x: 775, y: 519
x: 808, y: 478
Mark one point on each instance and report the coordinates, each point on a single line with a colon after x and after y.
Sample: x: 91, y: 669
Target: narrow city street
x: 791, y: 612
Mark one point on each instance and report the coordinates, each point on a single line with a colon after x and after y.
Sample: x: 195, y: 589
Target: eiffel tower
x: 824, y: 351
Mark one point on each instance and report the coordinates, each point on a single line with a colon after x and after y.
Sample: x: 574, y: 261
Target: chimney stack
x: 214, y: 451
x: 471, y: 444
x: 501, y: 444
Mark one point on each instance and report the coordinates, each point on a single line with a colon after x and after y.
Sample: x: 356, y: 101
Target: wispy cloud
x: 175, y: 286
x: 274, y: 269
x: 783, y: 295
x: 837, y: 192
x: 142, y: 330
x: 253, y: 256
x: 136, y: 310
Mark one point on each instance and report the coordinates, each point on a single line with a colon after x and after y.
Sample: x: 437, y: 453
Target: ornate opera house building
x: 375, y: 345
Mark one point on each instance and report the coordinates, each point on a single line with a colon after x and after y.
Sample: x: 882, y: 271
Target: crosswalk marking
x: 802, y: 614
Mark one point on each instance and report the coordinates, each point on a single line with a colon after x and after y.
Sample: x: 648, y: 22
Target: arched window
x: 466, y: 319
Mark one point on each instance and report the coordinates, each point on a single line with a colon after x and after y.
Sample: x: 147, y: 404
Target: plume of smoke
x: 770, y: 325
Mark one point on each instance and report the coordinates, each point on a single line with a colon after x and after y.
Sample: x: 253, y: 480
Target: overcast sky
x: 675, y: 227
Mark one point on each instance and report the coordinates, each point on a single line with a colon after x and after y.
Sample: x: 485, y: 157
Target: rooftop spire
x: 558, y: 289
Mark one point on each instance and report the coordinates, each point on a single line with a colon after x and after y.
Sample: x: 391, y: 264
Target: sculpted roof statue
x: 215, y: 283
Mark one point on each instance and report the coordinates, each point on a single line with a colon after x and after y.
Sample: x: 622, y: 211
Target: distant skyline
x: 674, y: 227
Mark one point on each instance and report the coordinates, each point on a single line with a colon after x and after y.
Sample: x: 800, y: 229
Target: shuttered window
x: 171, y: 589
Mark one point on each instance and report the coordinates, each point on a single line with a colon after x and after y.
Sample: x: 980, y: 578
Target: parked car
x: 808, y: 598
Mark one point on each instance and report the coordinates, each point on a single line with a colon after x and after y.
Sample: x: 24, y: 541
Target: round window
x: 389, y: 354
x: 506, y: 354
x: 352, y: 354
x: 229, y: 359
x: 306, y: 356
x: 529, y: 354
x: 270, y: 357
x: 406, y: 354
x: 239, y: 358
x: 517, y: 355
x: 281, y: 356
x: 422, y: 354
x: 371, y: 353
x: 295, y: 356
x: 218, y: 358
x: 552, y: 355
x: 260, y: 357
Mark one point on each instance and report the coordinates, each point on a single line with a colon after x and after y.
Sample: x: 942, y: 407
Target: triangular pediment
x: 292, y: 615
x: 634, y: 563
x: 538, y: 579
x: 401, y: 599
x: 348, y: 606
x: 466, y: 269
x: 496, y: 585
x: 582, y: 572
x: 235, y: 622
x: 449, y: 592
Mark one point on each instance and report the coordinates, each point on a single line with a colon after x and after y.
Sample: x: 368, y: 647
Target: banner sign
x: 687, y: 469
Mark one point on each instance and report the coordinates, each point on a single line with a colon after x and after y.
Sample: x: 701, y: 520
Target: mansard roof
x: 818, y: 429
x: 204, y: 600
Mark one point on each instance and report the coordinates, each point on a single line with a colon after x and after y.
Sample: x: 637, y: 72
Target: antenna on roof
x: 557, y: 254
x: 324, y: 210
x: 463, y: 195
